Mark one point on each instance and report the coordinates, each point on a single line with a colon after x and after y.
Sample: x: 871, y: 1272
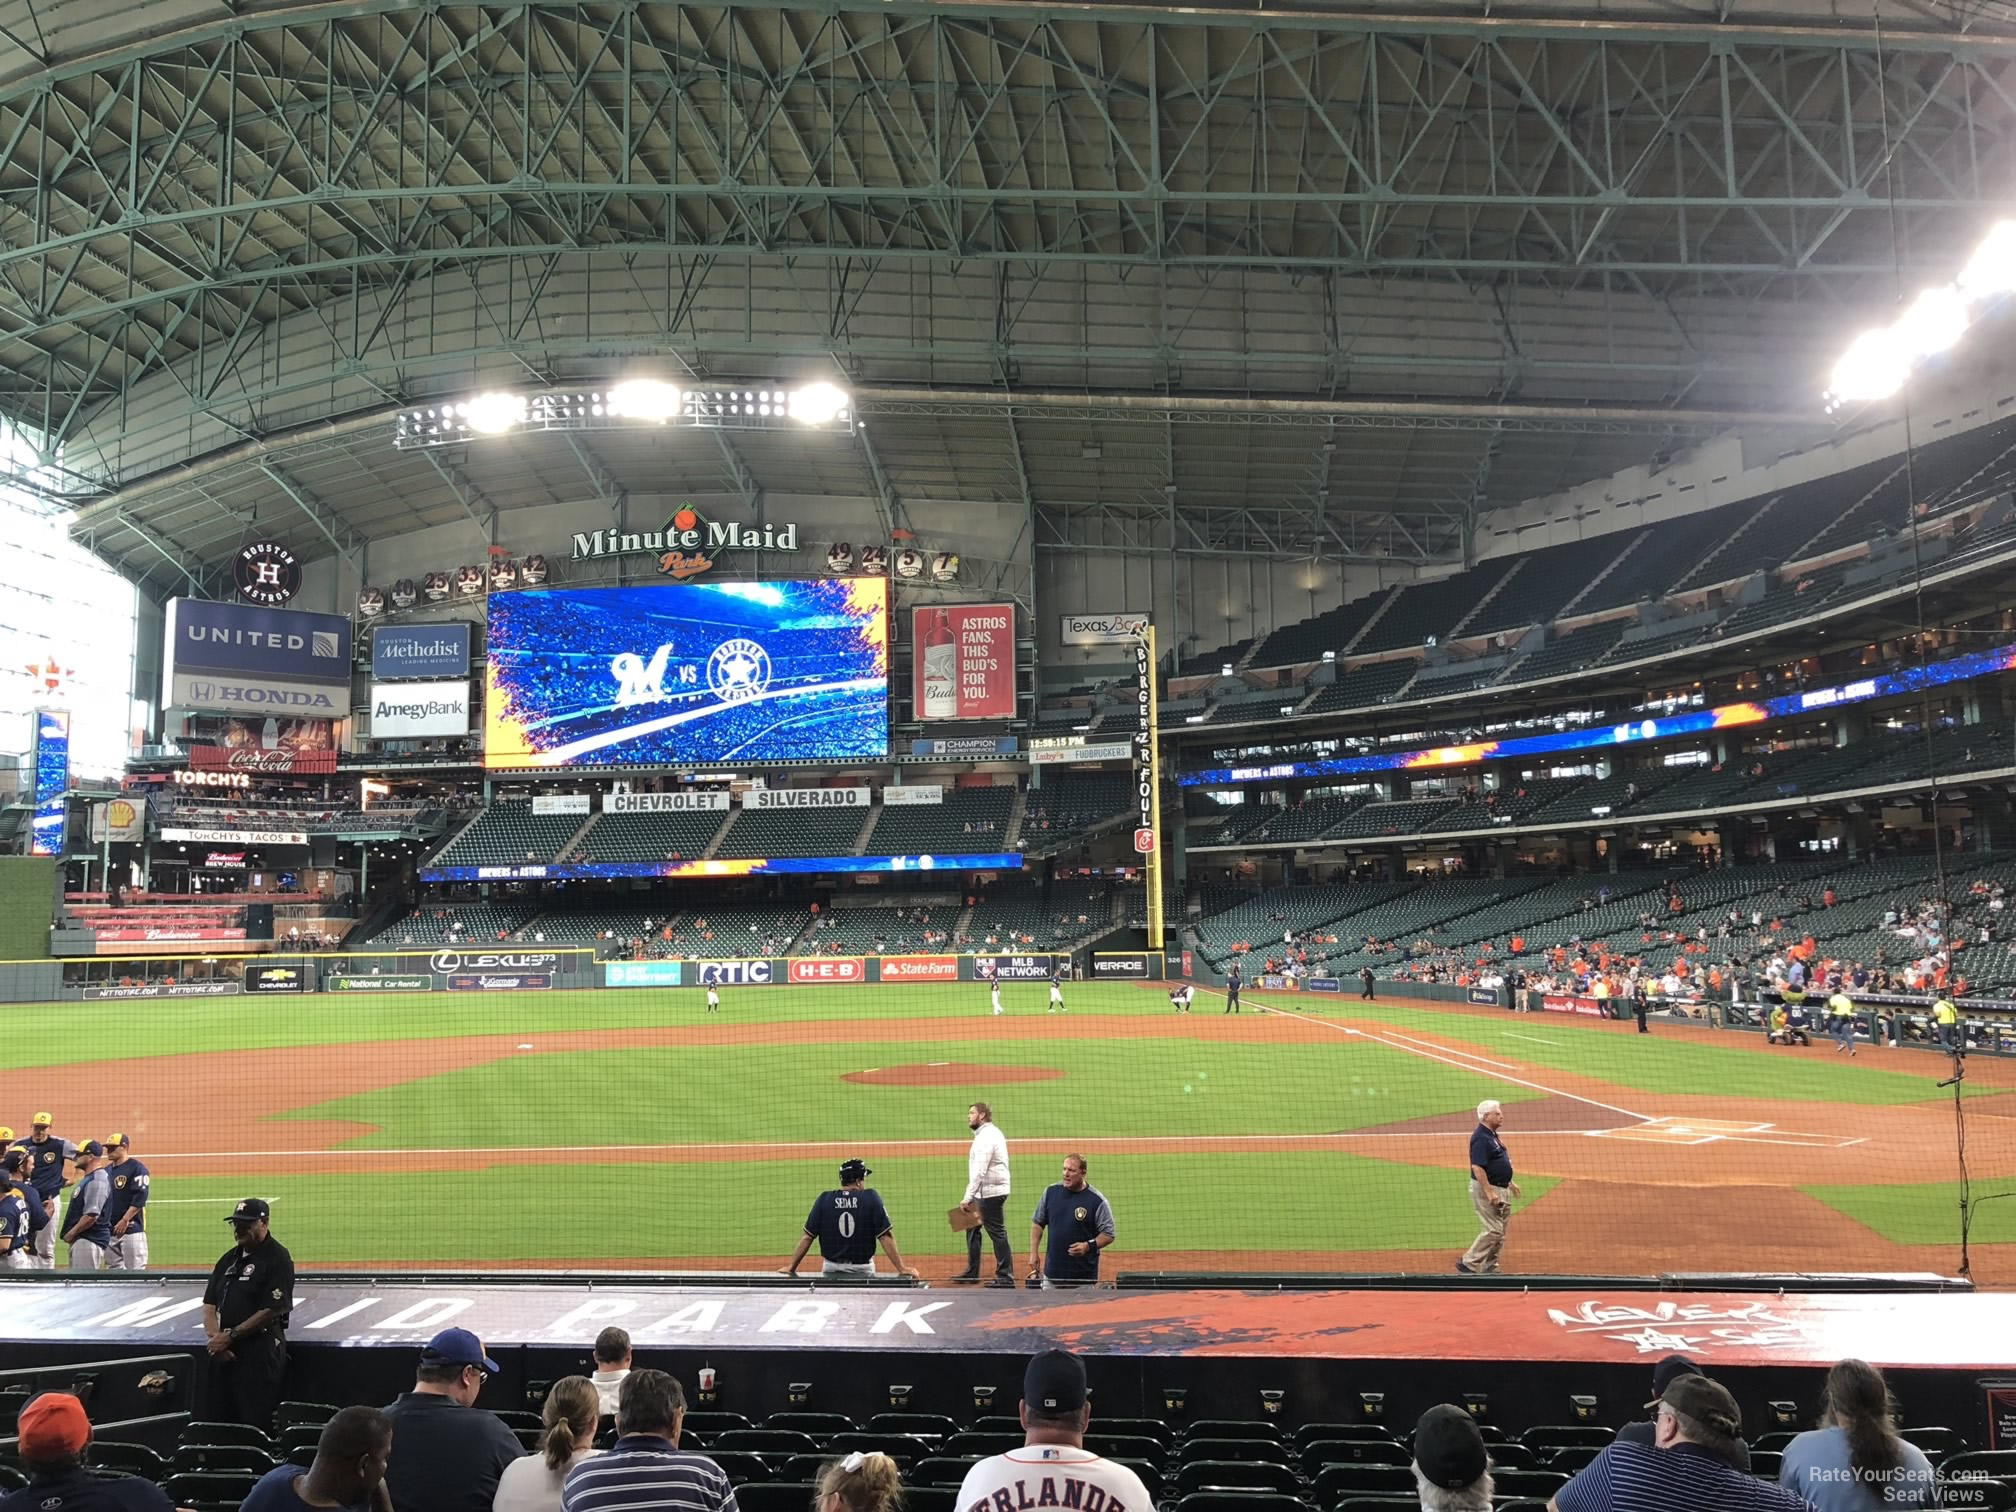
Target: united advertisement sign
x: 243, y: 659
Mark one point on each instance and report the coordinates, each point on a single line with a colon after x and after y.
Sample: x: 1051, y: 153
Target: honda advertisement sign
x: 406, y: 711
x: 963, y: 662
x: 420, y: 651
x: 241, y: 659
x: 933, y: 968
x: 276, y: 979
x: 735, y: 973
x: 823, y: 969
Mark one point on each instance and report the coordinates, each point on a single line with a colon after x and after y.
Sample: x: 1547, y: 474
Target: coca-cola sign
x: 254, y: 760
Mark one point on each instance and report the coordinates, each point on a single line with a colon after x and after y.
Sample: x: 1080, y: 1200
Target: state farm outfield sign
x: 929, y: 968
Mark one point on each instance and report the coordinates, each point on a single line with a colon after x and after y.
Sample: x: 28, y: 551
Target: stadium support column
x: 1147, y: 766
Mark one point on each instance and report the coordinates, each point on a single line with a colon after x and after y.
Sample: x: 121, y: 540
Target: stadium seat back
x: 1355, y: 1452
x: 304, y: 1415
x: 1234, y: 1449
x: 940, y: 1470
x: 798, y: 1467
x: 996, y: 1423
x: 928, y: 1425
x: 1936, y: 1442
x: 711, y: 1422
x: 1315, y: 1433
x: 1126, y: 1446
x: 1540, y: 1483
x: 1236, y: 1475
x: 1777, y: 1442
x: 906, y: 1449
x: 1572, y: 1458
x: 740, y: 1466
x: 818, y: 1424
x: 1335, y: 1482
x: 1979, y: 1462
x: 1234, y: 1428
x: 1240, y: 1501
x: 973, y: 1442
x: 1555, y: 1436
x: 776, y: 1496
x: 1153, y: 1428
x: 227, y: 1433
x: 1377, y: 1503
x: 134, y: 1459
x: 209, y: 1488
x: 1507, y: 1454
x: 1765, y: 1463
x: 231, y: 1457
x: 766, y: 1441
x: 930, y: 1498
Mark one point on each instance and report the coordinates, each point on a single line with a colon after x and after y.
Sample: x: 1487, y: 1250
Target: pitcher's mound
x: 950, y: 1074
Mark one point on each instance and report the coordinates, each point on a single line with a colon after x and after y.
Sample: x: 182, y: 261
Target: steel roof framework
x: 1674, y: 215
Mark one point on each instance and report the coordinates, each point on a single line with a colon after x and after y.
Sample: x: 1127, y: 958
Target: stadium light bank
x: 1879, y: 363
x: 626, y: 406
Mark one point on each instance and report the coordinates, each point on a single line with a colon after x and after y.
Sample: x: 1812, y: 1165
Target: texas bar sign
x: 684, y: 547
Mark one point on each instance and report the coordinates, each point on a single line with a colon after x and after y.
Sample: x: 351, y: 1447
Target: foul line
x: 1450, y: 1060
x: 1116, y: 1141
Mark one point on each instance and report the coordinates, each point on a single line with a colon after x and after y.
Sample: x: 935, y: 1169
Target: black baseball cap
x: 92, y: 1148
x: 853, y: 1170
x: 249, y: 1210
x: 1666, y: 1372
x: 1448, y: 1449
x: 1054, y: 1382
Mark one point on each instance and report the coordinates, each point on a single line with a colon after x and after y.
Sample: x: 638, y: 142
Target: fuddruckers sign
x: 685, y: 546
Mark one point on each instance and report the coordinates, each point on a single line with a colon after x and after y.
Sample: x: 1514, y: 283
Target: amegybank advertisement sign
x: 238, y: 659
x: 401, y: 711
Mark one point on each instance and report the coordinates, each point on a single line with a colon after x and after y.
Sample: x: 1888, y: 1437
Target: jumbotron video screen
x: 688, y: 672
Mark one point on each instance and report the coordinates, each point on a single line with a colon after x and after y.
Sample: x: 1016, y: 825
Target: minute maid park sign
x: 685, y: 546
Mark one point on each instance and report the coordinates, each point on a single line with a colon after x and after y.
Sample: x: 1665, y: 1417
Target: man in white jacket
x: 987, y: 1194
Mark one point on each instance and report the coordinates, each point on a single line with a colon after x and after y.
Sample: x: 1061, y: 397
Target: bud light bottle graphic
x: 939, y: 653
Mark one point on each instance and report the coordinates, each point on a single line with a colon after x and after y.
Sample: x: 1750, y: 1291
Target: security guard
x: 1946, y: 1021
x: 848, y: 1224
x: 245, y: 1310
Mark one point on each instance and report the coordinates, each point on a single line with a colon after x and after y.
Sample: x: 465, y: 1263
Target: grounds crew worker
x: 1946, y: 1023
x: 849, y: 1223
x: 245, y: 1310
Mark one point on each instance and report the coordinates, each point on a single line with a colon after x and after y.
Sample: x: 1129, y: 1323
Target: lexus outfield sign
x: 401, y: 711
x: 448, y: 962
x: 244, y: 659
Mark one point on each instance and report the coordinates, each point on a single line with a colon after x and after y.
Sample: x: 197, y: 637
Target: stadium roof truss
x: 1288, y: 282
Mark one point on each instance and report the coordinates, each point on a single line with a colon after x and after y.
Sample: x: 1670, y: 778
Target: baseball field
x: 630, y: 1128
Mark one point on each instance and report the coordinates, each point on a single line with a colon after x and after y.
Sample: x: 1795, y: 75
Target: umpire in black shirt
x: 245, y: 1310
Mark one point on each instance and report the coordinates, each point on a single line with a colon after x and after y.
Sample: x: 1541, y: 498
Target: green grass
x: 784, y: 1092
x: 1280, y: 1199
x: 1925, y: 1212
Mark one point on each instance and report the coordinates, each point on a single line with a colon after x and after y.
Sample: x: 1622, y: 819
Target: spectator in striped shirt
x: 645, y: 1468
x: 1689, y: 1470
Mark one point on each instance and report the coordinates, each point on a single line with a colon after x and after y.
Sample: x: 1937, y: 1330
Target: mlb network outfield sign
x: 241, y: 659
x: 420, y: 650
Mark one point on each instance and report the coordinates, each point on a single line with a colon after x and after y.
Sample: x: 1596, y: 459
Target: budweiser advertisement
x: 939, y: 968
x: 829, y: 969
x: 963, y: 662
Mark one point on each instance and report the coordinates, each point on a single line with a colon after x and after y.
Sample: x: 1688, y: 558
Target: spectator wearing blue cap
x: 447, y: 1453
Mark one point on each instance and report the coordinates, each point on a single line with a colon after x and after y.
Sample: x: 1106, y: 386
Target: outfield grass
x: 1278, y: 1199
x: 1926, y: 1212
x: 740, y: 1094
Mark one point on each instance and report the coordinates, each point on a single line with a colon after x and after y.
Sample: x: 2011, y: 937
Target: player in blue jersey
x: 127, y: 1212
x: 15, y: 1165
x: 847, y: 1224
x: 17, y: 1239
x: 1056, y: 990
x: 47, y: 1156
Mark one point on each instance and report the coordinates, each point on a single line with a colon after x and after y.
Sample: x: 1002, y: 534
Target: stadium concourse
x: 1322, y: 703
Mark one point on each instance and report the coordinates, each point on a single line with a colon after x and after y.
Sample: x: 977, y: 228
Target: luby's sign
x: 685, y: 547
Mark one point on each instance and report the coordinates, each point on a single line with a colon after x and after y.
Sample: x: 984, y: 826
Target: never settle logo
x: 267, y: 574
x: 829, y: 969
